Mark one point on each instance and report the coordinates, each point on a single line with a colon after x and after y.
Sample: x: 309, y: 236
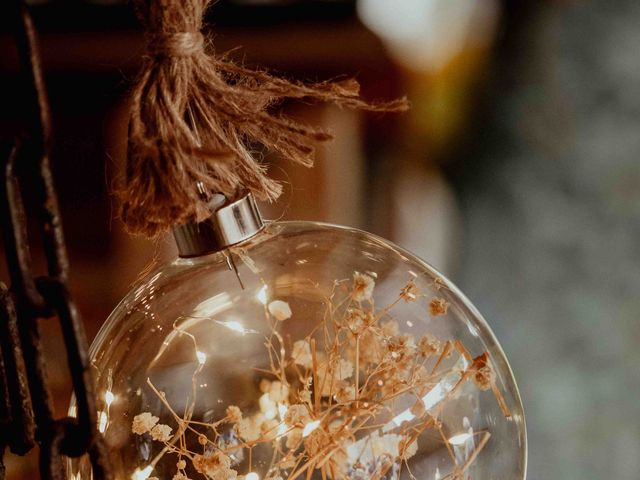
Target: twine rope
x: 196, y: 117
x: 180, y: 44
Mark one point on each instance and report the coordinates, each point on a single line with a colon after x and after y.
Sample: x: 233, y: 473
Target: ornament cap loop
x: 231, y: 223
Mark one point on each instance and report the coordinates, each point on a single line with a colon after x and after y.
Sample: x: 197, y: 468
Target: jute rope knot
x: 196, y: 118
x: 179, y: 44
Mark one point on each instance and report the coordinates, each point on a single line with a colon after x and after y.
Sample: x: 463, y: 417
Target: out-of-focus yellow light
x: 427, y: 34
x: 109, y: 397
x: 262, y: 295
x: 310, y: 427
x: 103, y: 419
x: 142, y: 474
x: 460, y: 439
x: 202, y: 357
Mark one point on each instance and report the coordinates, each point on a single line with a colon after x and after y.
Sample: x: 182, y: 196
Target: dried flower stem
x: 327, y: 399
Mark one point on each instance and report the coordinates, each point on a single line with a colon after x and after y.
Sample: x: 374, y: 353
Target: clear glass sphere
x: 309, y: 352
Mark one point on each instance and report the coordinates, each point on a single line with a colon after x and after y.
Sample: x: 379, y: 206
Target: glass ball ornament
x: 301, y: 350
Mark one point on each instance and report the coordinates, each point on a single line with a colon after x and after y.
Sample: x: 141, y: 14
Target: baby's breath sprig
x: 334, y: 403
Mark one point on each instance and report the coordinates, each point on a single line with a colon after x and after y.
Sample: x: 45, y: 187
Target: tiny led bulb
x: 202, y: 357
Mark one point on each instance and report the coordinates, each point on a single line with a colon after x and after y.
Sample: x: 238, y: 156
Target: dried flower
x: 363, y: 286
x: 234, y: 414
x: 390, y: 328
x: 346, y: 393
x: 296, y: 415
x: 288, y: 462
x: 267, y: 405
x: 408, y: 448
x: 248, y: 429
x: 143, y: 423
x: 161, y: 433
x: 428, y: 345
x: 279, y: 392
x: 280, y: 310
x: 357, y: 320
x: 333, y: 423
x: 484, y: 378
x: 344, y: 369
x: 370, y: 450
x: 304, y: 395
x: 330, y: 376
x: 317, y: 441
x: 438, y: 306
x: 484, y: 375
x: 301, y: 354
x: 269, y: 430
x: 409, y: 293
x: 265, y: 385
x: 371, y: 348
x: 294, y: 438
x: 401, y: 346
x: 216, y: 466
x: 387, y: 444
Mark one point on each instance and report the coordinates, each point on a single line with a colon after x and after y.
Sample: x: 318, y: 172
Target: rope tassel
x: 194, y: 115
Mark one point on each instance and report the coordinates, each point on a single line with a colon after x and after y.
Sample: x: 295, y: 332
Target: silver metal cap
x: 231, y: 223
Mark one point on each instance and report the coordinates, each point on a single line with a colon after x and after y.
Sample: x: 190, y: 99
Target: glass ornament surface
x: 330, y: 354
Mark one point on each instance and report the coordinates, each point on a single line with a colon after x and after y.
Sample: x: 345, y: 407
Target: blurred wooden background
x: 383, y: 173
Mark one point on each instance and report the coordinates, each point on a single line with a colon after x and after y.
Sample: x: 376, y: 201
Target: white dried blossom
x: 266, y: 404
x: 428, y: 345
x: 356, y: 320
x: 249, y: 428
x: 331, y: 377
x: 161, y: 433
x: 438, y: 306
x: 408, y: 448
x: 326, y: 381
x: 234, y: 414
x: 278, y: 392
x: 216, y: 466
x: 390, y: 328
x: 143, y: 423
x: 304, y: 395
x: 409, y: 293
x: 265, y: 385
x: 269, y: 429
x: 343, y: 370
x: 296, y: 415
x: 280, y: 310
x: 362, y: 364
x: 363, y: 286
x: 369, y: 449
x: 346, y: 393
x: 294, y: 438
x: 388, y: 444
x: 301, y: 354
